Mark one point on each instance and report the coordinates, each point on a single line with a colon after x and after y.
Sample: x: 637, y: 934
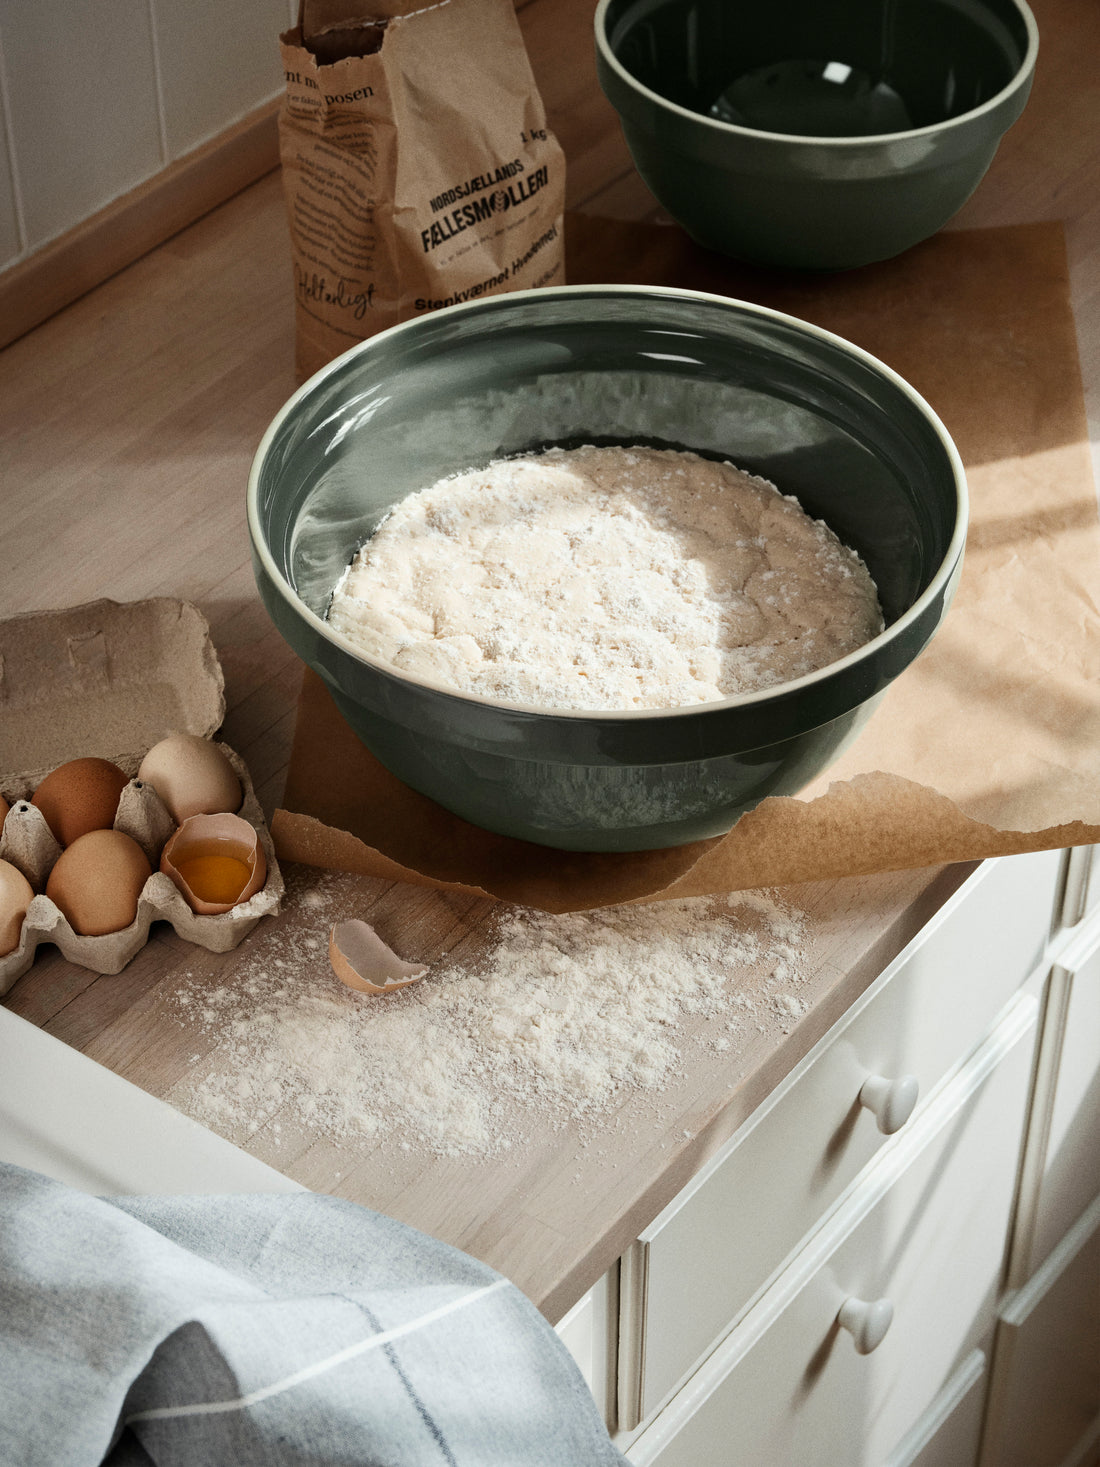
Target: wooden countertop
x: 129, y: 422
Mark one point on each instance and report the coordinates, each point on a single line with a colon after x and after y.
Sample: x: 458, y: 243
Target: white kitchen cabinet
x: 1069, y: 1177
x: 1080, y: 891
x: 949, y: 1431
x: 590, y: 1333
x: 729, y: 1351
x: 921, y: 1237
x: 692, y: 1273
x: 1045, y: 1405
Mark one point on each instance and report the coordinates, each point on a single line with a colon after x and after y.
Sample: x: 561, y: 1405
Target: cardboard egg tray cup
x: 112, y: 679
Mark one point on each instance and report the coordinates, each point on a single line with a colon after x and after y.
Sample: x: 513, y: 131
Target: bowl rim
x: 938, y: 587
x: 1020, y: 79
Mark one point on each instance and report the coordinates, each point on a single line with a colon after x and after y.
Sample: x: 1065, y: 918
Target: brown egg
x: 4, y: 808
x: 192, y: 776
x: 79, y: 796
x: 16, y: 895
x: 97, y: 881
x: 216, y: 861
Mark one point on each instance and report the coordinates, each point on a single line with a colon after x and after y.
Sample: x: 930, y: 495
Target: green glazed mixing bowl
x: 607, y: 365
x: 814, y: 134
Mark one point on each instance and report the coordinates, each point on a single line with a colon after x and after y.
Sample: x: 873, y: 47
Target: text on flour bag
x: 417, y: 165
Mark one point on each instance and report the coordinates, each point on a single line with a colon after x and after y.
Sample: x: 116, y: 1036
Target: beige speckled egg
x: 79, y: 796
x: 97, y: 881
x: 16, y: 894
x: 192, y: 776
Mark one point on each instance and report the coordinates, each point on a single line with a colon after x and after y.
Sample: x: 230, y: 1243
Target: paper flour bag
x: 417, y: 164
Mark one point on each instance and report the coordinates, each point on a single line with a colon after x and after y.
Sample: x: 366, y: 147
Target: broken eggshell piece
x: 362, y: 960
x: 216, y: 861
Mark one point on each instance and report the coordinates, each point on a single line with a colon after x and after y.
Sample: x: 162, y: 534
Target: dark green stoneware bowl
x: 814, y: 134
x: 607, y: 365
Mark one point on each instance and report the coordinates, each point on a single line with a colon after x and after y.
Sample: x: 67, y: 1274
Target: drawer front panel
x: 926, y: 1230
x: 588, y: 1333
x: 703, y: 1259
x: 1046, y: 1401
x: 1071, y: 1166
x: 950, y: 1432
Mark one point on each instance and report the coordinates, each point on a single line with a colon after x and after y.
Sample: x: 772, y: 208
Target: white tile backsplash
x: 11, y: 242
x: 83, y: 109
x: 100, y: 95
x: 218, y: 60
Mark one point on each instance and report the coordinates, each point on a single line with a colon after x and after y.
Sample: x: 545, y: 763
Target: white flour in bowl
x: 558, y: 1021
x: 605, y: 578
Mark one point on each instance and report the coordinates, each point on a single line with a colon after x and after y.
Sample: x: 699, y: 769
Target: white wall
x: 96, y: 96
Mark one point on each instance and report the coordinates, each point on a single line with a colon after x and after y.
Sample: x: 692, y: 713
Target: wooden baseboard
x: 127, y: 228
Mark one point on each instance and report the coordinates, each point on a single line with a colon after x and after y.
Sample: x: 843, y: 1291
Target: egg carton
x: 27, y: 842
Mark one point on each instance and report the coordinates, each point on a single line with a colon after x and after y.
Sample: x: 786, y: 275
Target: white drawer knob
x: 866, y: 1321
x: 891, y: 1102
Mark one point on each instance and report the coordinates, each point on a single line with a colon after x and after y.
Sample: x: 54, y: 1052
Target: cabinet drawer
x: 1070, y: 1177
x: 1046, y: 1398
x: 588, y: 1333
x: 924, y: 1229
x: 950, y: 1431
x: 696, y: 1268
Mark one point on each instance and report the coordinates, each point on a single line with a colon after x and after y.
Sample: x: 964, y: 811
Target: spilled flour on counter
x: 561, y: 1017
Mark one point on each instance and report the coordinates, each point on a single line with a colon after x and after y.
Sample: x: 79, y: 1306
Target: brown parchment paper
x: 988, y: 745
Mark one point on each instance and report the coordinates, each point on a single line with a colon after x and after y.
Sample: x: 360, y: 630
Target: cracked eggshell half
x: 216, y: 862
x: 362, y: 960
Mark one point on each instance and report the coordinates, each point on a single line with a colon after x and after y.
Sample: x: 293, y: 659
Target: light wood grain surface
x: 128, y: 424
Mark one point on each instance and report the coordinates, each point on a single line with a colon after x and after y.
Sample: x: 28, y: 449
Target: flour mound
x: 605, y: 578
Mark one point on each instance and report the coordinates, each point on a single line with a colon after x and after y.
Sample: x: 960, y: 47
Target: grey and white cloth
x: 289, y: 1329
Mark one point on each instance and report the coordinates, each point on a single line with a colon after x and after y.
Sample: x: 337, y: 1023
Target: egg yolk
x: 215, y: 878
